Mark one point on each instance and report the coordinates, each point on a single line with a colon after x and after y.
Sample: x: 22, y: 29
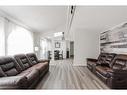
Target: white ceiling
x: 38, y: 18
x: 99, y: 18
x: 49, y: 18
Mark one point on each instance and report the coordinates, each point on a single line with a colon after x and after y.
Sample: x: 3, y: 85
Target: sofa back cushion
x: 33, y: 58
x: 23, y: 61
x: 109, y: 58
x: 2, y: 74
x: 9, y: 66
x: 102, y: 58
x: 120, y: 62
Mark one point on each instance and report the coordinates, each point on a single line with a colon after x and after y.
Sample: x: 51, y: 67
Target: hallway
x: 63, y: 75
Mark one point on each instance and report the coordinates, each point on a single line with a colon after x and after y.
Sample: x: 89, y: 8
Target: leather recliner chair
x: 101, y: 67
x: 27, y: 70
x: 91, y: 63
x: 41, y: 65
x: 9, y: 71
x: 31, y: 64
x: 115, y: 76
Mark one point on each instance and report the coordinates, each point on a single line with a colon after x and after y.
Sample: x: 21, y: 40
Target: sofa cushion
x: 9, y: 69
x: 109, y: 58
x: 103, y: 70
x: 40, y: 66
x: 13, y: 82
x: 32, y: 57
x: 9, y: 66
x: 44, y: 63
x: 2, y: 74
x: 11, y: 72
x: 120, y: 62
x: 102, y: 58
x: 23, y: 61
x: 31, y: 75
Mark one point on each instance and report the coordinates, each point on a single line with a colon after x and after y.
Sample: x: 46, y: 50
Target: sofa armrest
x: 117, y: 73
x: 43, y: 60
x: 13, y: 82
x: 117, y: 79
x: 91, y: 59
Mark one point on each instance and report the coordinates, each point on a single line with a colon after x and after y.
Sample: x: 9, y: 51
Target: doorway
x: 72, y: 49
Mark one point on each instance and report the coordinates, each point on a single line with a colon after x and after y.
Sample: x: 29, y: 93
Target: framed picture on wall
x: 57, y: 44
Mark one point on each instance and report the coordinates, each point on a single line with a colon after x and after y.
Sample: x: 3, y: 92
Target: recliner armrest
x: 42, y: 60
x: 13, y: 82
x: 117, y: 73
x: 91, y: 59
x: 117, y: 79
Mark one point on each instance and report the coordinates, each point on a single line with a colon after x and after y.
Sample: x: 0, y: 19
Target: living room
x: 63, y: 47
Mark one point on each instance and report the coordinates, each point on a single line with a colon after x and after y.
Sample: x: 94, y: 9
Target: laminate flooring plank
x: 63, y: 75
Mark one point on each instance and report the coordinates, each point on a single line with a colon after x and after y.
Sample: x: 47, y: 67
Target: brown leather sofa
x: 115, y: 76
x: 9, y: 70
x: 101, y: 68
x: 91, y: 63
x: 22, y: 71
x: 113, y: 70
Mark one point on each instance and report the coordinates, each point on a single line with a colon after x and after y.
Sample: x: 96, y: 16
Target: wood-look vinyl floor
x: 63, y: 75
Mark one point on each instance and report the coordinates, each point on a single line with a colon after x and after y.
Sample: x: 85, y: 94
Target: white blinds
x: 2, y: 38
x: 19, y: 40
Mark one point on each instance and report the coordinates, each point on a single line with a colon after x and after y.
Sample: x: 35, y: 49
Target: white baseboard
x: 79, y: 64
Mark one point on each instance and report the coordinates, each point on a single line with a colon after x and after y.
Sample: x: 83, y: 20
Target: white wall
x: 86, y: 45
x: 88, y: 22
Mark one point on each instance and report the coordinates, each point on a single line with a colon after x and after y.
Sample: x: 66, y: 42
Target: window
x: 58, y: 34
x: 19, y: 40
x: 44, y: 47
x: 2, y: 39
